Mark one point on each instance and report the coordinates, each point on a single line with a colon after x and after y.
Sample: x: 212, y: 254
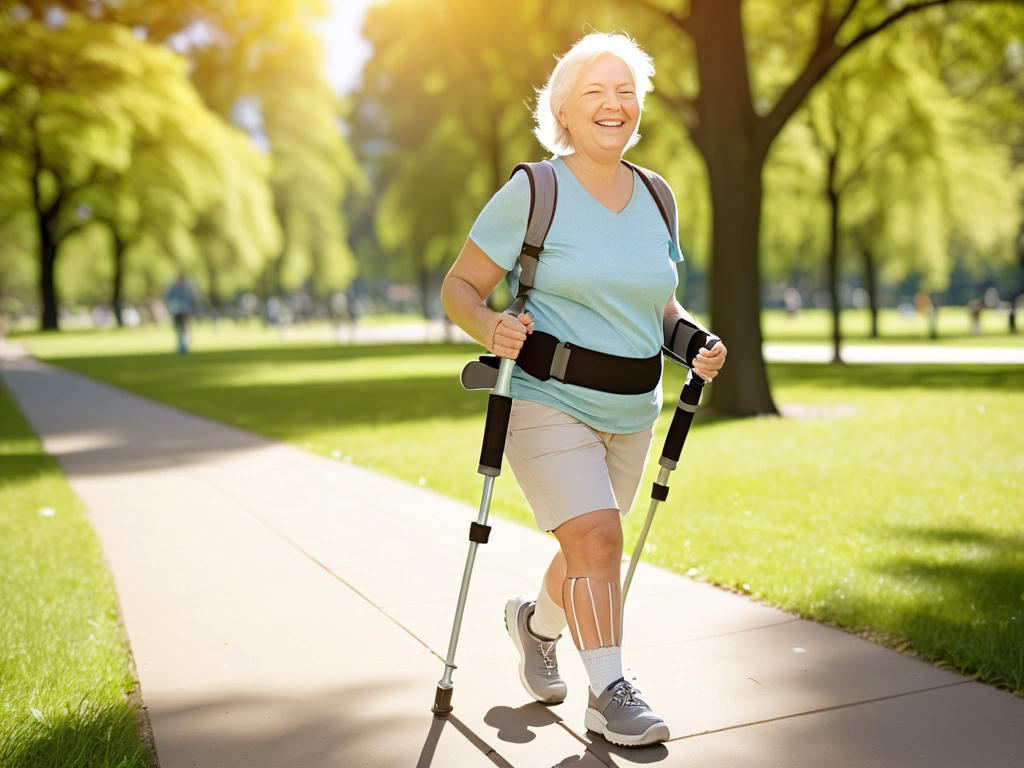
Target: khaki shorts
x: 567, y: 468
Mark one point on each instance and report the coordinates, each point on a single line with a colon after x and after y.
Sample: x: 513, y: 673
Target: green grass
x: 66, y: 674
x: 892, y: 506
x: 954, y: 327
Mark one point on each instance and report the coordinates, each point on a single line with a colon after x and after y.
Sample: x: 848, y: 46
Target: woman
x: 606, y: 281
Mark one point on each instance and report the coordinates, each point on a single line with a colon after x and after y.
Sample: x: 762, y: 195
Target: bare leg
x: 554, y: 578
x: 591, y: 591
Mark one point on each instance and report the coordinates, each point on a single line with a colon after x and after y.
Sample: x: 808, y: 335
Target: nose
x: 611, y: 100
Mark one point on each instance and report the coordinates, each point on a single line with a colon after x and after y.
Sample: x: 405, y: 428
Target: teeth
x: 611, y: 123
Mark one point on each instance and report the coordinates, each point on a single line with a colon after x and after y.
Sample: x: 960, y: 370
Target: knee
x: 601, y: 546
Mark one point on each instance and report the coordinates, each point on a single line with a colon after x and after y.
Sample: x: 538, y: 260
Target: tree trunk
x: 213, y: 285
x: 423, y: 277
x: 871, y: 284
x: 833, y: 257
x: 727, y: 137
x: 118, y: 286
x: 46, y: 227
x: 47, y: 284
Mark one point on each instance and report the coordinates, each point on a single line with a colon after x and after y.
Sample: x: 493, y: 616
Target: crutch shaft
x: 467, y: 573
x: 639, y: 548
x: 686, y: 407
x: 498, y: 409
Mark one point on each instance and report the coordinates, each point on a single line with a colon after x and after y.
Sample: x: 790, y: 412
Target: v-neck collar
x: 594, y: 200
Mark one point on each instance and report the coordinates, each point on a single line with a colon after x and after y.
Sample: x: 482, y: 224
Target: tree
x: 64, y: 113
x: 442, y: 117
x: 107, y: 129
x: 259, y: 65
x: 733, y: 116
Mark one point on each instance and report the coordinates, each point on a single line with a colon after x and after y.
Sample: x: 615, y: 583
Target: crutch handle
x: 689, y: 399
x: 499, y: 408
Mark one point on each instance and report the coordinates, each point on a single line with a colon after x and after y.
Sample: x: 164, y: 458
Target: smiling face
x: 602, y: 111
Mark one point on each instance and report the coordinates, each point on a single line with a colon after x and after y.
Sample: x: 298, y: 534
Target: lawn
x: 954, y: 327
x: 66, y: 697
x: 890, y: 503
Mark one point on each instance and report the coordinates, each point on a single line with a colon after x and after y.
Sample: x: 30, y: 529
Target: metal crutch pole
x: 689, y: 399
x: 499, y: 406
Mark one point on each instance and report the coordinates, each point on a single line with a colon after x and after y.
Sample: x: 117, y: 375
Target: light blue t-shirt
x: 603, y: 281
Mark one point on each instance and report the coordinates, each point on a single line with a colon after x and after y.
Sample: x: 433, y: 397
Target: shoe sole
x: 596, y: 722
x: 511, y: 620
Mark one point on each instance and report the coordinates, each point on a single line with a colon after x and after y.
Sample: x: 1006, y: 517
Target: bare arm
x: 463, y: 293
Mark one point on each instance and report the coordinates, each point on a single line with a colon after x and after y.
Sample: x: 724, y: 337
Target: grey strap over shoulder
x: 663, y: 197
x: 543, y: 199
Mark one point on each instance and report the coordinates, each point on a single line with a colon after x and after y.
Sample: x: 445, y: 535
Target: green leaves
x: 104, y: 126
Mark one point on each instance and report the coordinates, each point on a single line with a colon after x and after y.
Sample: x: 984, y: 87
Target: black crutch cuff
x: 479, y: 533
x: 659, y: 492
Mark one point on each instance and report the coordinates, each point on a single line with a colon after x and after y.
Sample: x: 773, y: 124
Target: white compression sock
x: 548, y: 620
x: 604, y: 667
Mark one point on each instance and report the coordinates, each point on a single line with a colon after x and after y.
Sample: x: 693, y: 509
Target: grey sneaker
x: 622, y: 718
x: 538, y: 667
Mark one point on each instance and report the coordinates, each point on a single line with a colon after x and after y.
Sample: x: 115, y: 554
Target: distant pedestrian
x: 182, y: 302
x: 792, y: 299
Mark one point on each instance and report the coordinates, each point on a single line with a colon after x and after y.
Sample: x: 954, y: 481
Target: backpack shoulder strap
x: 663, y: 197
x: 543, y: 198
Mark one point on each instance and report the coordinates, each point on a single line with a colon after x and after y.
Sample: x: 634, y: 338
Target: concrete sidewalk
x: 285, y: 609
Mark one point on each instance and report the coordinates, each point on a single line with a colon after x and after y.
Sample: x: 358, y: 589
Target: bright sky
x: 345, y: 51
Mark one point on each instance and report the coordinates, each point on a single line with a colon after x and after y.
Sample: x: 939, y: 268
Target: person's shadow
x: 518, y: 725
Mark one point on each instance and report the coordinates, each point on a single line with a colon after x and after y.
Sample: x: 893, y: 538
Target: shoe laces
x: 627, y: 695
x: 546, y: 649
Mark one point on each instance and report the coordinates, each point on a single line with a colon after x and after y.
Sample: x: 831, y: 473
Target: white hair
x: 552, y: 97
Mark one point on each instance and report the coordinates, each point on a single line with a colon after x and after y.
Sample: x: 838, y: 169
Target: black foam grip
x: 498, y: 409
x: 677, y: 434
x: 691, y: 392
x: 659, y: 492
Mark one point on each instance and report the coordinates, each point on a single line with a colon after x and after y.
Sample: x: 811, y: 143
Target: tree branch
x: 846, y: 14
x: 684, y: 106
x: 892, y: 18
x: 824, y: 57
x: 676, y: 19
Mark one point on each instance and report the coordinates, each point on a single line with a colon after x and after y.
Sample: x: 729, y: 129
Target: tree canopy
x: 197, y: 135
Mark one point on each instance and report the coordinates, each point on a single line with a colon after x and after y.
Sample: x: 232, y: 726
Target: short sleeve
x: 501, y: 226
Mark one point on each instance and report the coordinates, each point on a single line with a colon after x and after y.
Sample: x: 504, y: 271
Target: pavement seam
x: 721, y: 634
x: 298, y: 548
x: 823, y: 709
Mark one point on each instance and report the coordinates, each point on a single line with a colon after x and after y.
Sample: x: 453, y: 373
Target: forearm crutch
x: 499, y: 406
x: 680, y: 427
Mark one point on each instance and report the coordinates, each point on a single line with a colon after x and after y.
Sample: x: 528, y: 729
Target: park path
x: 285, y: 609
x: 773, y: 351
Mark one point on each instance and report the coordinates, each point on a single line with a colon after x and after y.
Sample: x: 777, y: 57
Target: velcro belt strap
x: 544, y: 357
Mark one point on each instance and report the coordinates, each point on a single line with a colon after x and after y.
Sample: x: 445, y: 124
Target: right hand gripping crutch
x: 677, y: 432
x: 499, y: 406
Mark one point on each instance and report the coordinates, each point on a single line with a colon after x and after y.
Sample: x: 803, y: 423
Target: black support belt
x: 544, y: 357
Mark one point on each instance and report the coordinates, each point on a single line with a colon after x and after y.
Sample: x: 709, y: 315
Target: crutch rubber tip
x: 442, y: 702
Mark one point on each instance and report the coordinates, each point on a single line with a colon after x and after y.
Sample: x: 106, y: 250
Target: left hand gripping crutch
x: 677, y: 432
x: 499, y: 406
